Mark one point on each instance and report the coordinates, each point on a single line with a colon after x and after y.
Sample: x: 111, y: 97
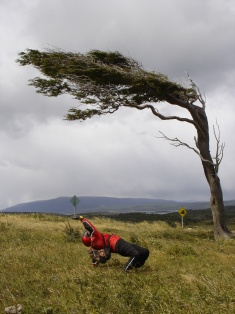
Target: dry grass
x: 40, y: 268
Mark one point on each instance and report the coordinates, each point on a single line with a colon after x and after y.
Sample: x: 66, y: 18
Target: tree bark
x: 217, y: 207
x: 216, y: 195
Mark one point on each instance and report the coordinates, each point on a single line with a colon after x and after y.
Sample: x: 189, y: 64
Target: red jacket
x: 97, y: 241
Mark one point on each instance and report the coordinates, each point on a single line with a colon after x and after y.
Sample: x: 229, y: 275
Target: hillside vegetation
x: 45, y: 268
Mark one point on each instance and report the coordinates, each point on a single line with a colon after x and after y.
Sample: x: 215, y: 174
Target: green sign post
x: 74, y: 201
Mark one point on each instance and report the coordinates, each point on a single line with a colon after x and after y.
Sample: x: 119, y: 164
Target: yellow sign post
x: 182, y: 211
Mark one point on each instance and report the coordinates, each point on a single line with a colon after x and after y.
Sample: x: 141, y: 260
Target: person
x: 97, y: 240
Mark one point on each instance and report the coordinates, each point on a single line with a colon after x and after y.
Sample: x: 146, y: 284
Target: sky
x: 42, y: 156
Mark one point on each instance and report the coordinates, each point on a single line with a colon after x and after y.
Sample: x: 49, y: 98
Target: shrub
x: 71, y: 234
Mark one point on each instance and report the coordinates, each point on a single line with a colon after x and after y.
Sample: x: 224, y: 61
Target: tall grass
x: 45, y: 268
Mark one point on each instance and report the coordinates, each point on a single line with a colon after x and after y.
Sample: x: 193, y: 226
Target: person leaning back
x: 98, y: 241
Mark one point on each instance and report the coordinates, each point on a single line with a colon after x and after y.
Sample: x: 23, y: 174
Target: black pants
x: 138, y: 255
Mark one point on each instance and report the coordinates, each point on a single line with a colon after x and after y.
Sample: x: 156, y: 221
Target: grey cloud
x: 43, y: 156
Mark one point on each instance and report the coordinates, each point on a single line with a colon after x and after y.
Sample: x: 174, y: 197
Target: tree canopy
x: 104, y: 80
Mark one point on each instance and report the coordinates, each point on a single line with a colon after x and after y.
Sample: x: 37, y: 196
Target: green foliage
x: 186, y: 272
x: 203, y: 216
x: 193, y: 216
x: 71, y: 234
x: 105, y: 81
x: 110, y: 58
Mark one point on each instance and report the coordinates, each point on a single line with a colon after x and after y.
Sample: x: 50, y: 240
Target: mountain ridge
x: 103, y: 204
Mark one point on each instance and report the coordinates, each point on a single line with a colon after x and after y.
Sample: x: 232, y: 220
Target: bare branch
x: 158, y: 114
x: 201, y: 99
x: 176, y: 142
x: 219, y: 148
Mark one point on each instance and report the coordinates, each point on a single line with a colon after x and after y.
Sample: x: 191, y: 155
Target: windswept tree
x: 103, y: 82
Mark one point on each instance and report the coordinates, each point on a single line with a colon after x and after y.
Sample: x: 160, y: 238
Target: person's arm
x: 88, y: 225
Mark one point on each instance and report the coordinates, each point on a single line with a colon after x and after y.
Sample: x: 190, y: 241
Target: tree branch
x: 158, y: 114
x: 199, y: 97
x: 219, y: 148
x: 176, y: 142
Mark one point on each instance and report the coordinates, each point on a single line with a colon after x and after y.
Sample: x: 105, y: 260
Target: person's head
x: 86, y: 238
x: 97, y: 256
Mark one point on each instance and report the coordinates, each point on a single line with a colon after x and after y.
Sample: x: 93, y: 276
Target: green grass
x: 45, y: 268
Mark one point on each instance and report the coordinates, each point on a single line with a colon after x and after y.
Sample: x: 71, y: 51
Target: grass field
x: 45, y: 268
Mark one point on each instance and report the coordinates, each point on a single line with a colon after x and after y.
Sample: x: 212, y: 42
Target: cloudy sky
x: 43, y: 156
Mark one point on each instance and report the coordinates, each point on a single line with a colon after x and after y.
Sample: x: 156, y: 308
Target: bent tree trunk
x: 217, y: 207
x: 216, y: 203
x: 216, y: 195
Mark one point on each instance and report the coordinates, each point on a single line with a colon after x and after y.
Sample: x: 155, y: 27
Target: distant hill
x: 93, y: 204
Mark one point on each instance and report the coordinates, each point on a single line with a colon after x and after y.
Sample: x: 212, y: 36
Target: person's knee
x: 137, y: 255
